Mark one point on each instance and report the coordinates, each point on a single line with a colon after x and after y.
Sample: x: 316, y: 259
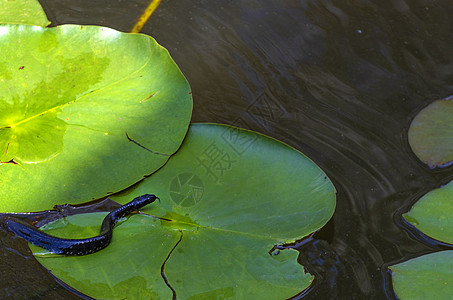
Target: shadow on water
x: 339, y: 81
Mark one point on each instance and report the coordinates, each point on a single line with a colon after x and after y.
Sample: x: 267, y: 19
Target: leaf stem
x: 145, y: 16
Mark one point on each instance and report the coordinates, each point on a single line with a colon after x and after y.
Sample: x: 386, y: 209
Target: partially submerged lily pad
x: 85, y: 111
x: 431, y: 134
x: 227, y: 197
x: 27, y: 12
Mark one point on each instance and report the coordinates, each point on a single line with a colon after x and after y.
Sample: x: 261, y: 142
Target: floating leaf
x: 433, y: 214
x: 22, y: 12
x: 137, y: 249
x: 230, y: 195
x: 427, y: 277
x: 85, y: 111
x: 431, y: 134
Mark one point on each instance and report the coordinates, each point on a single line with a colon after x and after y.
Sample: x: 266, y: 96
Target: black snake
x: 74, y: 246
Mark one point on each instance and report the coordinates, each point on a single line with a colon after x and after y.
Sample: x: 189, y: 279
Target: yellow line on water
x: 145, y: 16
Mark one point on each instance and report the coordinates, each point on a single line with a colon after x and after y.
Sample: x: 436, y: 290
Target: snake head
x: 146, y: 199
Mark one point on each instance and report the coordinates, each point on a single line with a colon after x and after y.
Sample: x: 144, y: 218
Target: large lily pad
x: 429, y: 276
x: 229, y: 195
x: 426, y: 277
x: 431, y: 134
x: 85, y: 111
x: 22, y: 12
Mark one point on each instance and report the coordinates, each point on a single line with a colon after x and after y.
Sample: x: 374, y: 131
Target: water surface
x: 338, y: 80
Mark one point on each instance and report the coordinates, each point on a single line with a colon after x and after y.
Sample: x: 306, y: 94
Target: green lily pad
x: 85, y: 111
x: 431, y: 134
x: 429, y: 276
x: 229, y: 195
x: 137, y: 249
x: 433, y: 214
x: 426, y: 277
x: 27, y: 12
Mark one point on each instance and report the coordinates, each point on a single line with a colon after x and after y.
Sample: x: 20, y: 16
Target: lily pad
x: 433, y: 214
x: 85, y: 111
x: 426, y: 277
x: 137, y: 250
x: 431, y: 134
x: 227, y: 197
x: 429, y: 276
x: 27, y: 12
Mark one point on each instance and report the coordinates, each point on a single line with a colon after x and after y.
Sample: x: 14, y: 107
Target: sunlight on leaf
x: 27, y: 12
x: 86, y: 111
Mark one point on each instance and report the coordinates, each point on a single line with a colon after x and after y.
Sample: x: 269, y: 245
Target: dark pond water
x: 338, y: 80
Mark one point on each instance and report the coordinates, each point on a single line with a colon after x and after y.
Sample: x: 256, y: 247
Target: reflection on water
x: 339, y: 82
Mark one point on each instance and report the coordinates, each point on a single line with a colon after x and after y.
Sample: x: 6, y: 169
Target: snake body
x: 62, y: 246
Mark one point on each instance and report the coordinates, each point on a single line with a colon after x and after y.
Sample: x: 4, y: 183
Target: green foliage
x: 22, y: 12
x: 426, y: 277
x: 431, y: 134
x: 86, y: 111
x: 230, y: 195
x: 433, y: 214
x: 429, y: 276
